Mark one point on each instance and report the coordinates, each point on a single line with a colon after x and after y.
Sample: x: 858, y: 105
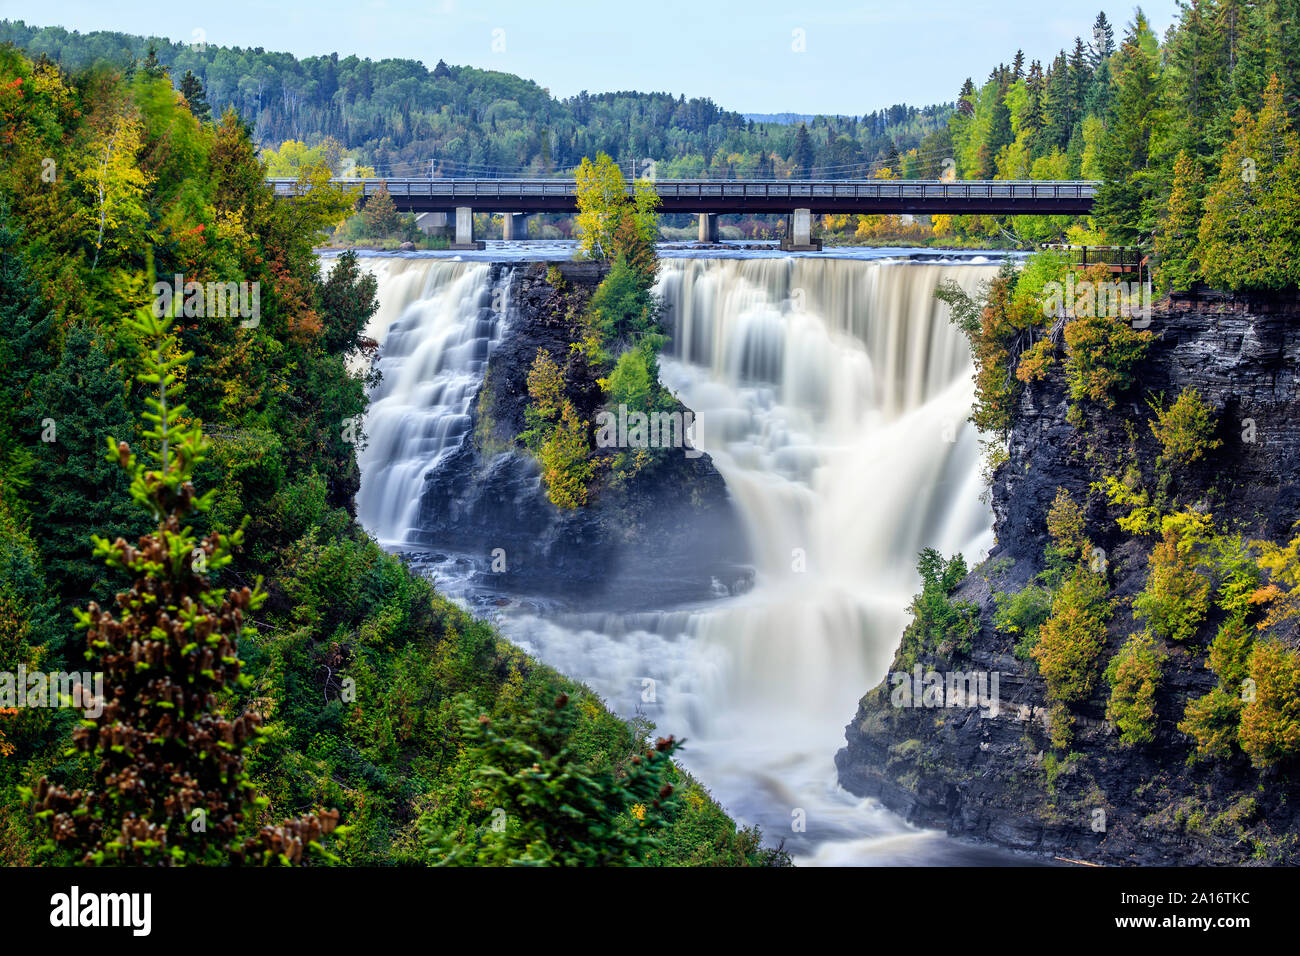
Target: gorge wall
x: 994, y: 778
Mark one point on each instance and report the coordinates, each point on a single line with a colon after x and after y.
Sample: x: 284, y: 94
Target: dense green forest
x: 1173, y: 128
x: 293, y: 681
x: 398, y: 115
x: 1151, y: 117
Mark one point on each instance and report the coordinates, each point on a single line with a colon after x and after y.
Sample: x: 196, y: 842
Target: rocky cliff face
x: 994, y: 777
x: 662, y: 538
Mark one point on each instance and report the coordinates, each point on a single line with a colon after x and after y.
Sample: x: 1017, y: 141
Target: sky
x: 756, y: 56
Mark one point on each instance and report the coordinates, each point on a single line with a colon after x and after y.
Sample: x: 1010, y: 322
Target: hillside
x: 399, y: 114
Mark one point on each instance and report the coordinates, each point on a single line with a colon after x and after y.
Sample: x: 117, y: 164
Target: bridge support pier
x: 708, y: 227
x: 465, y: 230
x: 514, y: 225
x: 798, y: 233
x: 433, y: 223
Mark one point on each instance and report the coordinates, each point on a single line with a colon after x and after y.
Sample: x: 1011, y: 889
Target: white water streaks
x: 832, y: 395
x: 436, y: 323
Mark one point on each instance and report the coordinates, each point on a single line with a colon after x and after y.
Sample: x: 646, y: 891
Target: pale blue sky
x: 857, y: 56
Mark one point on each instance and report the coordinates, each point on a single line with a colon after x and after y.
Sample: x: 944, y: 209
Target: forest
x: 398, y: 114
x: 308, y: 698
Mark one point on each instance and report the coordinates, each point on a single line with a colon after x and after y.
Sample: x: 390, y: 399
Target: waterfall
x: 436, y: 324
x: 832, y: 395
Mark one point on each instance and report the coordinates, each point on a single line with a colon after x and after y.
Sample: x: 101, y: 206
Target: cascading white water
x: 832, y: 395
x: 435, y: 324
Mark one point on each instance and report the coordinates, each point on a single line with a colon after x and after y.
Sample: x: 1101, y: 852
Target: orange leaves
x: 295, y: 298
x: 6, y: 748
x: 1270, y: 721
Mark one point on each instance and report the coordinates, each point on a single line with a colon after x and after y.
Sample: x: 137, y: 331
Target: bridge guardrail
x: 709, y: 189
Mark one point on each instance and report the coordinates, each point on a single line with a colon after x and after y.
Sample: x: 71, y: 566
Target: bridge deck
x: 1001, y: 197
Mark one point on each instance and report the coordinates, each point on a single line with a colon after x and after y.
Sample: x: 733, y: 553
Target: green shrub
x: 1071, y: 641
x: 1134, y: 676
x: 631, y: 383
x: 1060, y: 726
x: 565, y: 466
x: 939, y: 625
x: 1101, y: 354
x: 1067, y: 529
x: 1185, y: 430
x: 1021, y: 615
x: 625, y: 308
x: 1230, y: 651
x: 1211, y: 721
x: 999, y: 322
x: 547, y: 808
x: 1270, y: 722
x: 1177, y: 596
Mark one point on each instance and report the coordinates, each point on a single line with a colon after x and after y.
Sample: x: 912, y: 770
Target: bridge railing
x: 876, y: 189
x: 703, y: 189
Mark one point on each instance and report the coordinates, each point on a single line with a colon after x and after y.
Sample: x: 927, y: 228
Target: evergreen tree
x: 192, y: 90
x: 802, y: 158
x: 74, y: 408
x: 1000, y: 135
x: 348, y: 300
x: 556, y: 811
x: 966, y: 98
x: 1080, y: 81
x: 170, y: 786
x: 1103, y: 40
x: 1195, y: 76
x: 380, y: 214
x: 151, y: 67
x: 1034, y: 119
x: 1250, y: 69
x: 1056, y: 103
x: 893, y: 162
x: 1284, y: 46
x: 1125, y: 203
x: 25, y: 339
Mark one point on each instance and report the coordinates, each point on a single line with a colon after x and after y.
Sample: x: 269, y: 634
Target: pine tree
x: 1196, y: 74
x: 1080, y: 81
x: 1103, y: 40
x: 192, y: 90
x: 556, y: 811
x: 893, y: 161
x: 966, y: 98
x: 348, y: 300
x: 1056, y: 103
x: 1250, y: 72
x: 1034, y: 120
x: 151, y: 67
x: 25, y: 332
x: 802, y: 158
x: 1125, y: 204
x: 170, y: 787
x: 1284, y: 45
x: 75, y: 406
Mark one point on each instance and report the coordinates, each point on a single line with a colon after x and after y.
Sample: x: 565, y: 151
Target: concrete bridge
x: 800, y: 200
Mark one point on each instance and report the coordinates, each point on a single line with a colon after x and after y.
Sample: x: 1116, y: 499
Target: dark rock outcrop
x: 666, y: 537
x: 994, y: 777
